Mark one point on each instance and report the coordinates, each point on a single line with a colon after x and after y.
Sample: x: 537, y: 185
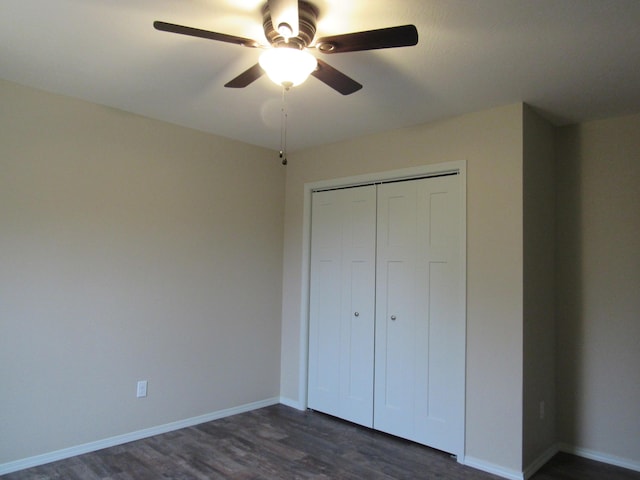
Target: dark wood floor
x: 282, y: 443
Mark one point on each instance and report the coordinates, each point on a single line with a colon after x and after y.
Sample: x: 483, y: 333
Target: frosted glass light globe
x: 287, y: 66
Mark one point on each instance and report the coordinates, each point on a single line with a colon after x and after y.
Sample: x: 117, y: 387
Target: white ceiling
x: 574, y: 60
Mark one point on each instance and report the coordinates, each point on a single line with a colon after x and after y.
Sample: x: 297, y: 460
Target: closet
x: 387, y: 308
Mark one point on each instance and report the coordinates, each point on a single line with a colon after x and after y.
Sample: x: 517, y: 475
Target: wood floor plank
x: 281, y: 443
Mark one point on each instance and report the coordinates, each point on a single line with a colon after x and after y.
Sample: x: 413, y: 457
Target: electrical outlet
x: 542, y: 410
x: 142, y: 389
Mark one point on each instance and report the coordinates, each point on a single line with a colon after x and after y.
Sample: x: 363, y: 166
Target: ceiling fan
x: 290, y: 28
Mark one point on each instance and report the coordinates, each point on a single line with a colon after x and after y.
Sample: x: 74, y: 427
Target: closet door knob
x: 356, y: 314
x: 393, y: 317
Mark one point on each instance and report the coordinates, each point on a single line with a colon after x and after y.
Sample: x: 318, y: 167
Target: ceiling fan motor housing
x: 308, y: 16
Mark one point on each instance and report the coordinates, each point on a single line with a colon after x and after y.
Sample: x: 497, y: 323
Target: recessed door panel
x: 357, y: 352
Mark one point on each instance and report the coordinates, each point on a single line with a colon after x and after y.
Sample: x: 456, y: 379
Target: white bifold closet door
x: 342, y: 303
x: 387, y: 319
x: 420, y: 317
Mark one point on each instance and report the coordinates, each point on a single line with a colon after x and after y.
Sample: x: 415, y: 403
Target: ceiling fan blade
x: 403, y: 36
x: 196, y: 32
x: 245, y: 78
x: 284, y: 12
x: 335, y: 79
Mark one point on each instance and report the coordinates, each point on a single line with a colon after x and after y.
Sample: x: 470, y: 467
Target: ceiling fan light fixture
x: 287, y: 66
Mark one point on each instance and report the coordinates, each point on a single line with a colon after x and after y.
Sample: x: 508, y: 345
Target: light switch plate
x: 142, y: 389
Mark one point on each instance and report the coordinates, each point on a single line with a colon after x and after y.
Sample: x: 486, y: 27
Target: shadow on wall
x: 569, y: 292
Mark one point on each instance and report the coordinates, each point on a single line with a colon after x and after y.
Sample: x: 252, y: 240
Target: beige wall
x: 133, y: 249
x: 492, y: 144
x: 598, y: 303
x: 129, y: 249
x: 539, y: 289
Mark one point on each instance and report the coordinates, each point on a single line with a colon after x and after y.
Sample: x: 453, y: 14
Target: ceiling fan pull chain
x: 283, y: 128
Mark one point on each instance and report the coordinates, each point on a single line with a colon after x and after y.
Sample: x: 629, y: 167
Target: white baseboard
x: 534, y: 466
x: 129, y: 437
x: 539, y: 462
x: 492, y: 468
x: 291, y: 403
x: 476, y: 463
x: 601, y: 457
